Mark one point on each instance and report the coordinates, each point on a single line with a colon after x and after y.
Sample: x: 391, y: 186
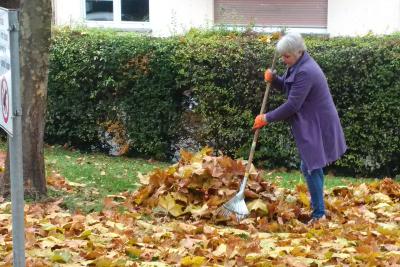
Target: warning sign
x: 5, y: 102
x: 5, y: 74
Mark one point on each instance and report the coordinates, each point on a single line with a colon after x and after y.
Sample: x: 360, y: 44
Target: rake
x: 237, y: 205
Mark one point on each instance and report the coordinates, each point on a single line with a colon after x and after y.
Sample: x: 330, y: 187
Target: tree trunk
x: 35, y: 37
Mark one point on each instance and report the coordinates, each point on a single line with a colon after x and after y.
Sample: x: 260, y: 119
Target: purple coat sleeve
x: 297, y: 94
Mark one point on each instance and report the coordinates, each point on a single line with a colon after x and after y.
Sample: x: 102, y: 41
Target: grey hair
x: 291, y: 43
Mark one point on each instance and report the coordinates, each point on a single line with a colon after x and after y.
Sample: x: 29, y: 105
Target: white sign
x: 5, y: 74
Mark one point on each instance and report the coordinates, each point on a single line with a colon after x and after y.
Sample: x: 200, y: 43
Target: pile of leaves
x: 199, y: 184
x: 173, y: 220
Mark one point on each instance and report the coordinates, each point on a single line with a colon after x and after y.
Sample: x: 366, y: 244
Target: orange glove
x: 260, y: 122
x: 269, y: 75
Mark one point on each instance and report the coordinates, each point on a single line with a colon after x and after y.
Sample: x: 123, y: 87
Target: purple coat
x: 311, y: 112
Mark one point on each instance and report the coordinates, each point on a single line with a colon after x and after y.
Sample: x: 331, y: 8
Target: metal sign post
x: 10, y: 121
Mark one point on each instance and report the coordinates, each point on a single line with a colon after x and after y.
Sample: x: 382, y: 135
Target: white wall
x: 166, y: 17
x: 358, y: 17
x: 177, y: 16
x: 68, y: 12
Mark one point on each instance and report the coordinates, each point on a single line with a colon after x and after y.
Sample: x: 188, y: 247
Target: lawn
x: 94, y: 216
x: 100, y: 175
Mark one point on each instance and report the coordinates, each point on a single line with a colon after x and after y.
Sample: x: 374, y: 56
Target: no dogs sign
x: 5, y: 74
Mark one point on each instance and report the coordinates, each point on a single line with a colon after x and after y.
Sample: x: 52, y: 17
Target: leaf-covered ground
x: 173, y: 220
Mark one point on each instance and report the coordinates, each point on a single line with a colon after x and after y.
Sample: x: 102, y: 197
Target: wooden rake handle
x: 257, y: 132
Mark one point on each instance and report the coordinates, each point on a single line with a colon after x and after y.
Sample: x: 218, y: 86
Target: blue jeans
x: 315, y: 184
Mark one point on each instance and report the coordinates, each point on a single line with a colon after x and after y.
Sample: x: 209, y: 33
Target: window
x: 99, y: 10
x: 117, y: 10
x: 135, y: 10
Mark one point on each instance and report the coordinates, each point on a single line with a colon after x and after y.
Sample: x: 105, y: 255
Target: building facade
x: 165, y: 18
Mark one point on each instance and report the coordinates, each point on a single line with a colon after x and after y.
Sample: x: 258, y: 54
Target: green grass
x: 292, y: 178
x: 102, y: 175
x: 105, y: 175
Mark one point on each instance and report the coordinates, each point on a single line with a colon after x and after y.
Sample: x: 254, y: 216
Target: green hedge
x: 97, y: 78
x: 102, y: 78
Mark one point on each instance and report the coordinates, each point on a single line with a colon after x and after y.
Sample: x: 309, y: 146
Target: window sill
x: 122, y: 25
x: 303, y: 30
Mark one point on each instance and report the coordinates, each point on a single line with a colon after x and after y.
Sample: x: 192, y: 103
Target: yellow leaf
x: 380, y: 197
x: 40, y: 252
x: 145, y: 180
x: 383, y: 207
x: 290, y: 199
x: 168, y: 203
x: 103, y: 262
x: 361, y: 192
x: 389, y: 229
x: 198, y: 157
x: 49, y: 242
x: 258, y: 204
x: 183, y: 227
x: 393, y: 253
x: 111, y: 235
x: 198, y: 168
x: 75, y: 184
x: 171, y: 170
x: 368, y: 214
x: 49, y: 227
x: 85, y: 234
x: 58, y: 214
x: 153, y: 264
x: 145, y: 225
x: 267, y: 245
x: 185, y: 172
x: 197, y: 211
x: 253, y: 256
x: 220, y: 251
x: 193, y: 261
x: 5, y: 207
x: 61, y: 256
x: 303, y: 197
x: 233, y: 231
x: 341, y: 255
x: 133, y: 252
x: 299, y: 251
x: 179, y: 196
x: 4, y: 217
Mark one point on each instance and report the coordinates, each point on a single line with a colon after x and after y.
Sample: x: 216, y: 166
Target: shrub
x: 143, y: 85
x: 222, y: 71
x: 100, y: 78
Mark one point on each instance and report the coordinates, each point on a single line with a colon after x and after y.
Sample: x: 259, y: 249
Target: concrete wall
x: 68, y: 12
x: 358, y: 17
x: 177, y: 16
x: 166, y: 17
x: 345, y: 17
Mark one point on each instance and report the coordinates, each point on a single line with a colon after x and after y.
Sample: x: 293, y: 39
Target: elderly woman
x: 312, y: 114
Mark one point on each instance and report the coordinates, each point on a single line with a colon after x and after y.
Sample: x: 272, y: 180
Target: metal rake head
x: 236, y: 206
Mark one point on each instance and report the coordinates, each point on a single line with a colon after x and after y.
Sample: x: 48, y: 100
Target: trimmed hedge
x: 102, y: 79
x: 98, y: 79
